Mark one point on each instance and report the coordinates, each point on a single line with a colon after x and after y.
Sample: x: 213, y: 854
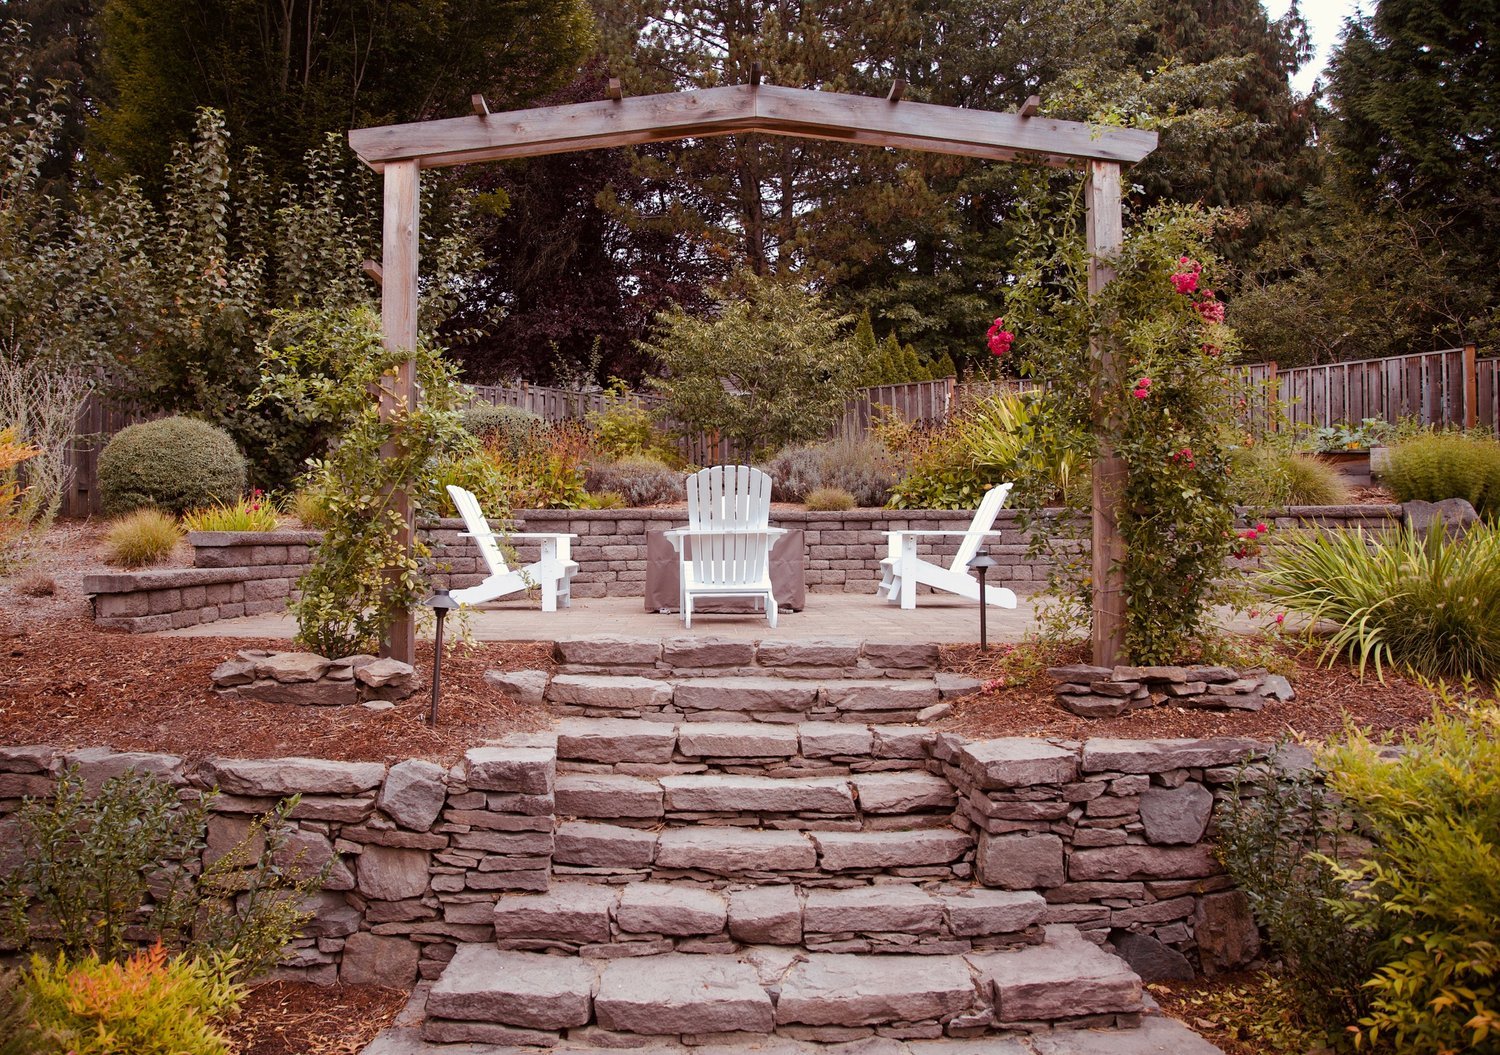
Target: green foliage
x: 604, y: 500
x: 1273, y: 833
x: 1268, y: 475
x: 147, y: 1005
x: 624, y: 428
x: 638, y: 480
x: 1164, y: 411
x: 992, y: 440
x: 98, y: 871
x: 323, y: 366
x: 508, y: 427
x: 829, y: 500
x: 310, y: 510
x: 477, y: 473
x: 1440, y: 465
x: 1343, y: 436
x: 772, y: 367
x: 254, y: 512
x: 174, y: 464
x: 142, y: 538
x: 1429, y: 603
x: 860, y: 465
x: 1429, y: 885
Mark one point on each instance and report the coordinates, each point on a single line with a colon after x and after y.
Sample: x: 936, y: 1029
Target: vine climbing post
x: 1105, y: 235
x: 398, y: 317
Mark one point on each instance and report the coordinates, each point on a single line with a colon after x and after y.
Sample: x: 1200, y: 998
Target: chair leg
x: 772, y: 610
x: 549, y: 594
x: 687, y: 610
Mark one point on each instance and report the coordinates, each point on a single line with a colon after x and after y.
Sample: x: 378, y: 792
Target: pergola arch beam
x: 744, y: 108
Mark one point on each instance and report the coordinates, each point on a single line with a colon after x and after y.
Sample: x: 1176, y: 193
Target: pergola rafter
x: 402, y: 151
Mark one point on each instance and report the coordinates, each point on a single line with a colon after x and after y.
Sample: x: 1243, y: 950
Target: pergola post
x: 398, y: 317
x: 1105, y: 237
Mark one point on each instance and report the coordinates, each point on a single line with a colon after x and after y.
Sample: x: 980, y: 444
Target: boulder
x: 1176, y: 816
x: 291, y: 667
x: 387, y: 673
x: 271, y: 777
x: 1225, y: 931
x: 1150, y: 959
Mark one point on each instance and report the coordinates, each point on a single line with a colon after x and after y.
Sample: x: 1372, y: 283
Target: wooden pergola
x: 401, y: 152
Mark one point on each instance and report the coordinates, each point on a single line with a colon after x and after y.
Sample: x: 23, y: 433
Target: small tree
x: 773, y: 367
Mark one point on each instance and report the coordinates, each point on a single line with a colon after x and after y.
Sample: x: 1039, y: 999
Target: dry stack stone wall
x: 1113, y: 835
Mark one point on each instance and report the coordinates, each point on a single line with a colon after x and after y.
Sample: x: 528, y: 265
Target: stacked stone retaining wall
x: 250, y: 573
x: 1113, y: 834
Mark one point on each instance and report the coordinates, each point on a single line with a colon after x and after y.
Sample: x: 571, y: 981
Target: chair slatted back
x: 729, y: 497
x: 479, y: 527
x: 984, y: 520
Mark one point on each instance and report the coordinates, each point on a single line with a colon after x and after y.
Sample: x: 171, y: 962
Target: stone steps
x: 710, y: 852
x: 492, y: 995
x: 738, y: 698
x: 598, y: 920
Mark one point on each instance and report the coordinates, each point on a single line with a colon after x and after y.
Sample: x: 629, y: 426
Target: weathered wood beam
x: 746, y: 108
x: 1031, y: 106
x: 1105, y: 237
x: 898, y: 89
x: 373, y: 271
x: 398, y: 317
x: 615, y: 90
x: 755, y: 74
x: 481, y: 107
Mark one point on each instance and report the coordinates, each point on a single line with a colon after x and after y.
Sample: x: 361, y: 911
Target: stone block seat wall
x: 249, y: 573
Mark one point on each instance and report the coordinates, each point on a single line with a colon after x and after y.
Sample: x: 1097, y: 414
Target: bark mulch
x: 74, y: 685
x: 298, y: 1018
x: 1020, y: 700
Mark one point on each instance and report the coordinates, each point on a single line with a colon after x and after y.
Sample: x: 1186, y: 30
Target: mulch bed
x: 74, y: 685
x: 298, y: 1018
x: 1326, y: 697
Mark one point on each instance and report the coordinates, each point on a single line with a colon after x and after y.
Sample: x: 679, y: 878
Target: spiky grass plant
x: 1429, y: 603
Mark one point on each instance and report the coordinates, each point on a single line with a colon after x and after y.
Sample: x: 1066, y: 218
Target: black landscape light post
x: 982, y: 562
x: 441, y: 604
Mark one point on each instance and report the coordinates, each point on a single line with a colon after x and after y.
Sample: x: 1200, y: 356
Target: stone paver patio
x: 940, y: 618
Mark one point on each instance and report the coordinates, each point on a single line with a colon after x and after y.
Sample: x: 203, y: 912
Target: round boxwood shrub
x: 174, y: 464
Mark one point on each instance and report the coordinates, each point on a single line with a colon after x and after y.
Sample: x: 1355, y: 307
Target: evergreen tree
x: 285, y: 75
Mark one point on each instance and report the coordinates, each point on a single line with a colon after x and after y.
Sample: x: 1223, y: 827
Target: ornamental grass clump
x: 1271, y: 477
x: 829, y: 500
x: 1439, y: 465
x: 254, y: 512
x: 1425, y: 602
x: 142, y: 538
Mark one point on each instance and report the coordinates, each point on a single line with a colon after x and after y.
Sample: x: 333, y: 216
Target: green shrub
x: 253, y: 513
x: 625, y: 428
x: 96, y: 873
x: 1429, y: 885
x: 142, y: 538
x: 863, y: 466
x: 829, y: 500
x: 476, y: 473
x: 174, y: 464
x: 509, y: 427
x: 1429, y: 602
x: 547, y: 473
x: 1269, y: 476
x: 604, y: 500
x: 147, y: 1005
x: 639, y: 479
x: 1441, y: 465
x: 1271, y: 834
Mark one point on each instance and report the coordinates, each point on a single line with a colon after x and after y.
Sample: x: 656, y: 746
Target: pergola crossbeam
x: 742, y: 108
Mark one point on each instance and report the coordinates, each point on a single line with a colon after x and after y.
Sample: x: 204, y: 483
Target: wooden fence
x: 1451, y: 387
x: 99, y: 419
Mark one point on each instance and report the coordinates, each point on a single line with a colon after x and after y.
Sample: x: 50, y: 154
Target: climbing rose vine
x: 1000, y: 339
x: 1165, y: 416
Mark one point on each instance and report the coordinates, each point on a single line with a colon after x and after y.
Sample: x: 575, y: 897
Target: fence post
x: 1471, y: 385
x: 1273, y: 397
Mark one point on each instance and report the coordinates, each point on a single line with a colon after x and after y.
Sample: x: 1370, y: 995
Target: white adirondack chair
x: 725, y: 551
x: 553, y: 573
x: 902, y: 571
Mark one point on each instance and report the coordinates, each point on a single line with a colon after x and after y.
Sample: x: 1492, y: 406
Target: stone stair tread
x: 1029, y: 984
x: 615, y: 740
x: 581, y: 913
x: 836, y: 989
x: 754, y: 794
x: 530, y: 991
x: 607, y: 795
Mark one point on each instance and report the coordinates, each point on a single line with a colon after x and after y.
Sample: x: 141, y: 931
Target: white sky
x: 1325, y: 20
